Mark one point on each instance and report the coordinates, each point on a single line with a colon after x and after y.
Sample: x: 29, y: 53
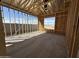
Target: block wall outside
x: 30, y: 28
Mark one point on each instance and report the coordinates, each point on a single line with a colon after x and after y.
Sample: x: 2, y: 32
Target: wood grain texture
x: 2, y: 37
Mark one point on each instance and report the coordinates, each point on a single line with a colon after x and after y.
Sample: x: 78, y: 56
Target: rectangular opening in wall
x: 49, y: 23
x: 18, y: 25
x: 17, y: 22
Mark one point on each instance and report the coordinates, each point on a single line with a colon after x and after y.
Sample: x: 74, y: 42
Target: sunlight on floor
x: 21, y: 37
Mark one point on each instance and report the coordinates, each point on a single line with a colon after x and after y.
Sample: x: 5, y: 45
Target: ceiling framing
x: 36, y: 7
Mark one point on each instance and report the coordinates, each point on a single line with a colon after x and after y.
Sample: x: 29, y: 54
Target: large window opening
x: 49, y: 23
x: 18, y: 25
x: 16, y: 22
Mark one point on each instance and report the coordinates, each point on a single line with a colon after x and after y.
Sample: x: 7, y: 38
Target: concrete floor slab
x: 39, y: 45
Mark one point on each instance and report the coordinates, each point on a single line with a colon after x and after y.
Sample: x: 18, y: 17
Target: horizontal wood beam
x: 16, y: 8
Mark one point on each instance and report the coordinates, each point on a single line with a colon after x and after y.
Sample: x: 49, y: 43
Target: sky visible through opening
x: 49, y: 23
x: 13, y: 16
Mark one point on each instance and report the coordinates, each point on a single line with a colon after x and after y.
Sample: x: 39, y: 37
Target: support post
x: 27, y: 23
x: 2, y: 37
x: 4, y: 22
x: 19, y: 22
x: 15, y: 23
x: 41, y: 23
x: 72, y: 28
x: 30, y: 23
x: 10, y: 22
x: 22, y: 24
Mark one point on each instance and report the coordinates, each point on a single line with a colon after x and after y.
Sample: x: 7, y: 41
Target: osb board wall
x: 61, y: 20
x: 60, y: 24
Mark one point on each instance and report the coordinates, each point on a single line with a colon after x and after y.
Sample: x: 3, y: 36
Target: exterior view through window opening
x: 16, y: 22
x: 49, y: 23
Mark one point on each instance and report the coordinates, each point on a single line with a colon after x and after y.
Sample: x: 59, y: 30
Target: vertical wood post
x: 2, y: 37
x: 72, y: 24
x: 41, y: 23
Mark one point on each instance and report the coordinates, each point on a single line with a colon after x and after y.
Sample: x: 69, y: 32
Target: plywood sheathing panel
x: 61, y: 20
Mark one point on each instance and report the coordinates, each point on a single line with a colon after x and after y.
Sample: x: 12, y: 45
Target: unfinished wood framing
x: 3, y: 21
x: 10, y: 21
x: 72, y: 28
x: 65, y: 12
x: 61, y: 20
x: 2, y: 37
x: 30, y: 23
x: 15, y: 23
x: 33, y: 6
x: 19, y: 22
x: 41, y: 23
x: 25, y: 22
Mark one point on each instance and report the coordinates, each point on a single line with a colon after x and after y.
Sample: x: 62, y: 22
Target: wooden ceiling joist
x: 33, y: 6
x: 16, y: 8
x: 26, y: 4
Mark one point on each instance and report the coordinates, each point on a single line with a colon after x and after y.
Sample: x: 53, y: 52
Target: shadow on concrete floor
x: 45, y: 45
